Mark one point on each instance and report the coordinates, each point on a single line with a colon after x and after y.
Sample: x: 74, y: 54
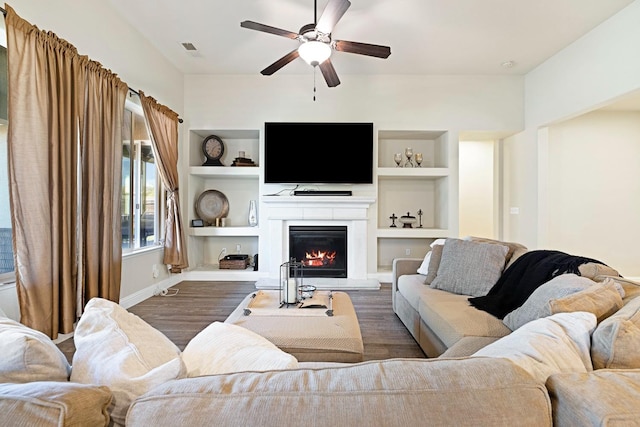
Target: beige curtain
x: 101, y: 145
x: 48, y: 85
x: 163, y: 126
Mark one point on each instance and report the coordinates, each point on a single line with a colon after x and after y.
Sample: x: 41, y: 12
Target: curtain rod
x: 4, y: 12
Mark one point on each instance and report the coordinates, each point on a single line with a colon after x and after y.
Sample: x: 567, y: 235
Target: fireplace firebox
x: 321, y: 249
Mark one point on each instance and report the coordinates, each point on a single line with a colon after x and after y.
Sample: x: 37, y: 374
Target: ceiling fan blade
x: 362, y: 48
x: 268, y: 29
x: 329, y: 73
x: 331, y: 14
x: 280, y: 63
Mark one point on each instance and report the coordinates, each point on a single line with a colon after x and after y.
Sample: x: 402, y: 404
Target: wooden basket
x: 234, y: 264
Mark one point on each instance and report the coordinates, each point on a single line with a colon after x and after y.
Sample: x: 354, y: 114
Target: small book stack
x: 243, y: 161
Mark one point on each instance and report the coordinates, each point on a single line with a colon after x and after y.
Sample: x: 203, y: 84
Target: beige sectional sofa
x: 570, y: 368
x: 446, y: 326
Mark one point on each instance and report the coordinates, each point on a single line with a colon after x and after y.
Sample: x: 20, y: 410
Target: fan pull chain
x: 314, y: 84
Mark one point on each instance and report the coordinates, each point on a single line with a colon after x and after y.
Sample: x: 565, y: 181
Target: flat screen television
x: 318, y: 153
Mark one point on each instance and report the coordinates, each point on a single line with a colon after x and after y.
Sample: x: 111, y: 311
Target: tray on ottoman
x: 312, y: 336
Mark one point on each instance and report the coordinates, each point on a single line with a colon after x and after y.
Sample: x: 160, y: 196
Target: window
x: 141, y: 202
x: 6, y: 245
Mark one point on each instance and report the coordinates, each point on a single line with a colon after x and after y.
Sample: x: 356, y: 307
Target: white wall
x: 594, y: 199
x: 448, y: 103
x: 98, y: 32
x: 593, y: 71
x: 477, y: 198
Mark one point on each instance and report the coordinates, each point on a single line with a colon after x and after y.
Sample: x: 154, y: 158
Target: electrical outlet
x: 238, y: 248
x: 224, y: 251
x: 155, y: 271
x: 407, y: 251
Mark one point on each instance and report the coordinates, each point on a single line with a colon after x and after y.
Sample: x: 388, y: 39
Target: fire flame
x: 319, y: 258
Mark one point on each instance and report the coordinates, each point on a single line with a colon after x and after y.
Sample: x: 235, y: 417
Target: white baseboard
x: 149, y: 291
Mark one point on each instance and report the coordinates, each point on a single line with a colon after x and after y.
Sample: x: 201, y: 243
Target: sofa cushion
x: 600, y: 398
x: 50, y: 403
x: 120, y: 350
x: 451, y: 317
x: 29, y: 355
x: 224, y: 348
x: 469, y: 268
x: 411, y: 286
x: 407, y: 392
x: 554, y: 344
x: 537, y: 305
x: 602, y: 299
x: 467, y: 346
x: 434, y: 264
x: 616, y: 340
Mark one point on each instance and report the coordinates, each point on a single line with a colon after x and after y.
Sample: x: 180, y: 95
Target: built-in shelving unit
x: 410, y: 191
x: 240, y: 185
x: 396, y: 190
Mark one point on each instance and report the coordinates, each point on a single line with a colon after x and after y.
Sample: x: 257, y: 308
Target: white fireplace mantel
x: 280, y: 212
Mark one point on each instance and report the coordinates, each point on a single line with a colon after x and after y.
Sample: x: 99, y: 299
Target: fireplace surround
x: 283, y: 212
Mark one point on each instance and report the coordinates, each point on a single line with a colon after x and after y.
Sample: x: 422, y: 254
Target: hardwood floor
x: 181, y: 316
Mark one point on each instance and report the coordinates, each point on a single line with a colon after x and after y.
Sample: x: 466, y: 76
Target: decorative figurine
x: 409, y: 153
x: 420, y: 217
x: 407, y: 220
x: 393, y: 218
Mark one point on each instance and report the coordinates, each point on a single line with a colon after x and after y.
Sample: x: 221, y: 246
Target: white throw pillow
x: 538, y: 304
x: 120, y: 350
x: 28, y: 355
x: 556, y: 344
x: 224, y: 348
x: 424, y: 267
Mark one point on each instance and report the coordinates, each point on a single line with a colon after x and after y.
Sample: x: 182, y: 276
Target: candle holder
x: 409, y: 153
x: 290, y: 283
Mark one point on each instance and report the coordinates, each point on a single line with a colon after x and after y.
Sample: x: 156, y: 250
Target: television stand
x: 322, y: 193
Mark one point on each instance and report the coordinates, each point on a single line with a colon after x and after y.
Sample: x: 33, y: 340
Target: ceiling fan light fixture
x: 314, y: 52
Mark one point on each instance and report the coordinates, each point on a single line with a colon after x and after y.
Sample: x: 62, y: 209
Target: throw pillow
x: 118, y: 349
x: 424, y: 267
x: 223, y: 348
x: 602, y: 299
x: 550, y: 345
x: 434, y: 264
x: 616, y: 340
x: 469, y: 268
x: 594, y: 269
x: 515, y: 249
x: 537, y: 305
x: 29, y: 355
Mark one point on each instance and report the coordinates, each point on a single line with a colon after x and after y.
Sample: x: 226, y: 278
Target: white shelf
x: 223, y: 231
x: 413, y: 172
x: 232, y: 171
x: 412, y: 233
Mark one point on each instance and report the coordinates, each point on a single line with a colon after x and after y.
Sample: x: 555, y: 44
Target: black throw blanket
x: 522, y: 277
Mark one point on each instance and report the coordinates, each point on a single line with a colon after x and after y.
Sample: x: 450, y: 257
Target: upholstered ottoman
x: 310, y: 334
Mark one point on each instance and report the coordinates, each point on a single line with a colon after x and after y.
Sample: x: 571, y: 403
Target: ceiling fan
x: 316, y: 43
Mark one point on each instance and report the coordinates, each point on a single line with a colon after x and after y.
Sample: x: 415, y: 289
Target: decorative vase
x: 253, y: 213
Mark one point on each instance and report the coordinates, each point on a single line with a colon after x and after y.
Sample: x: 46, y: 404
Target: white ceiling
x: 425, y: 36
